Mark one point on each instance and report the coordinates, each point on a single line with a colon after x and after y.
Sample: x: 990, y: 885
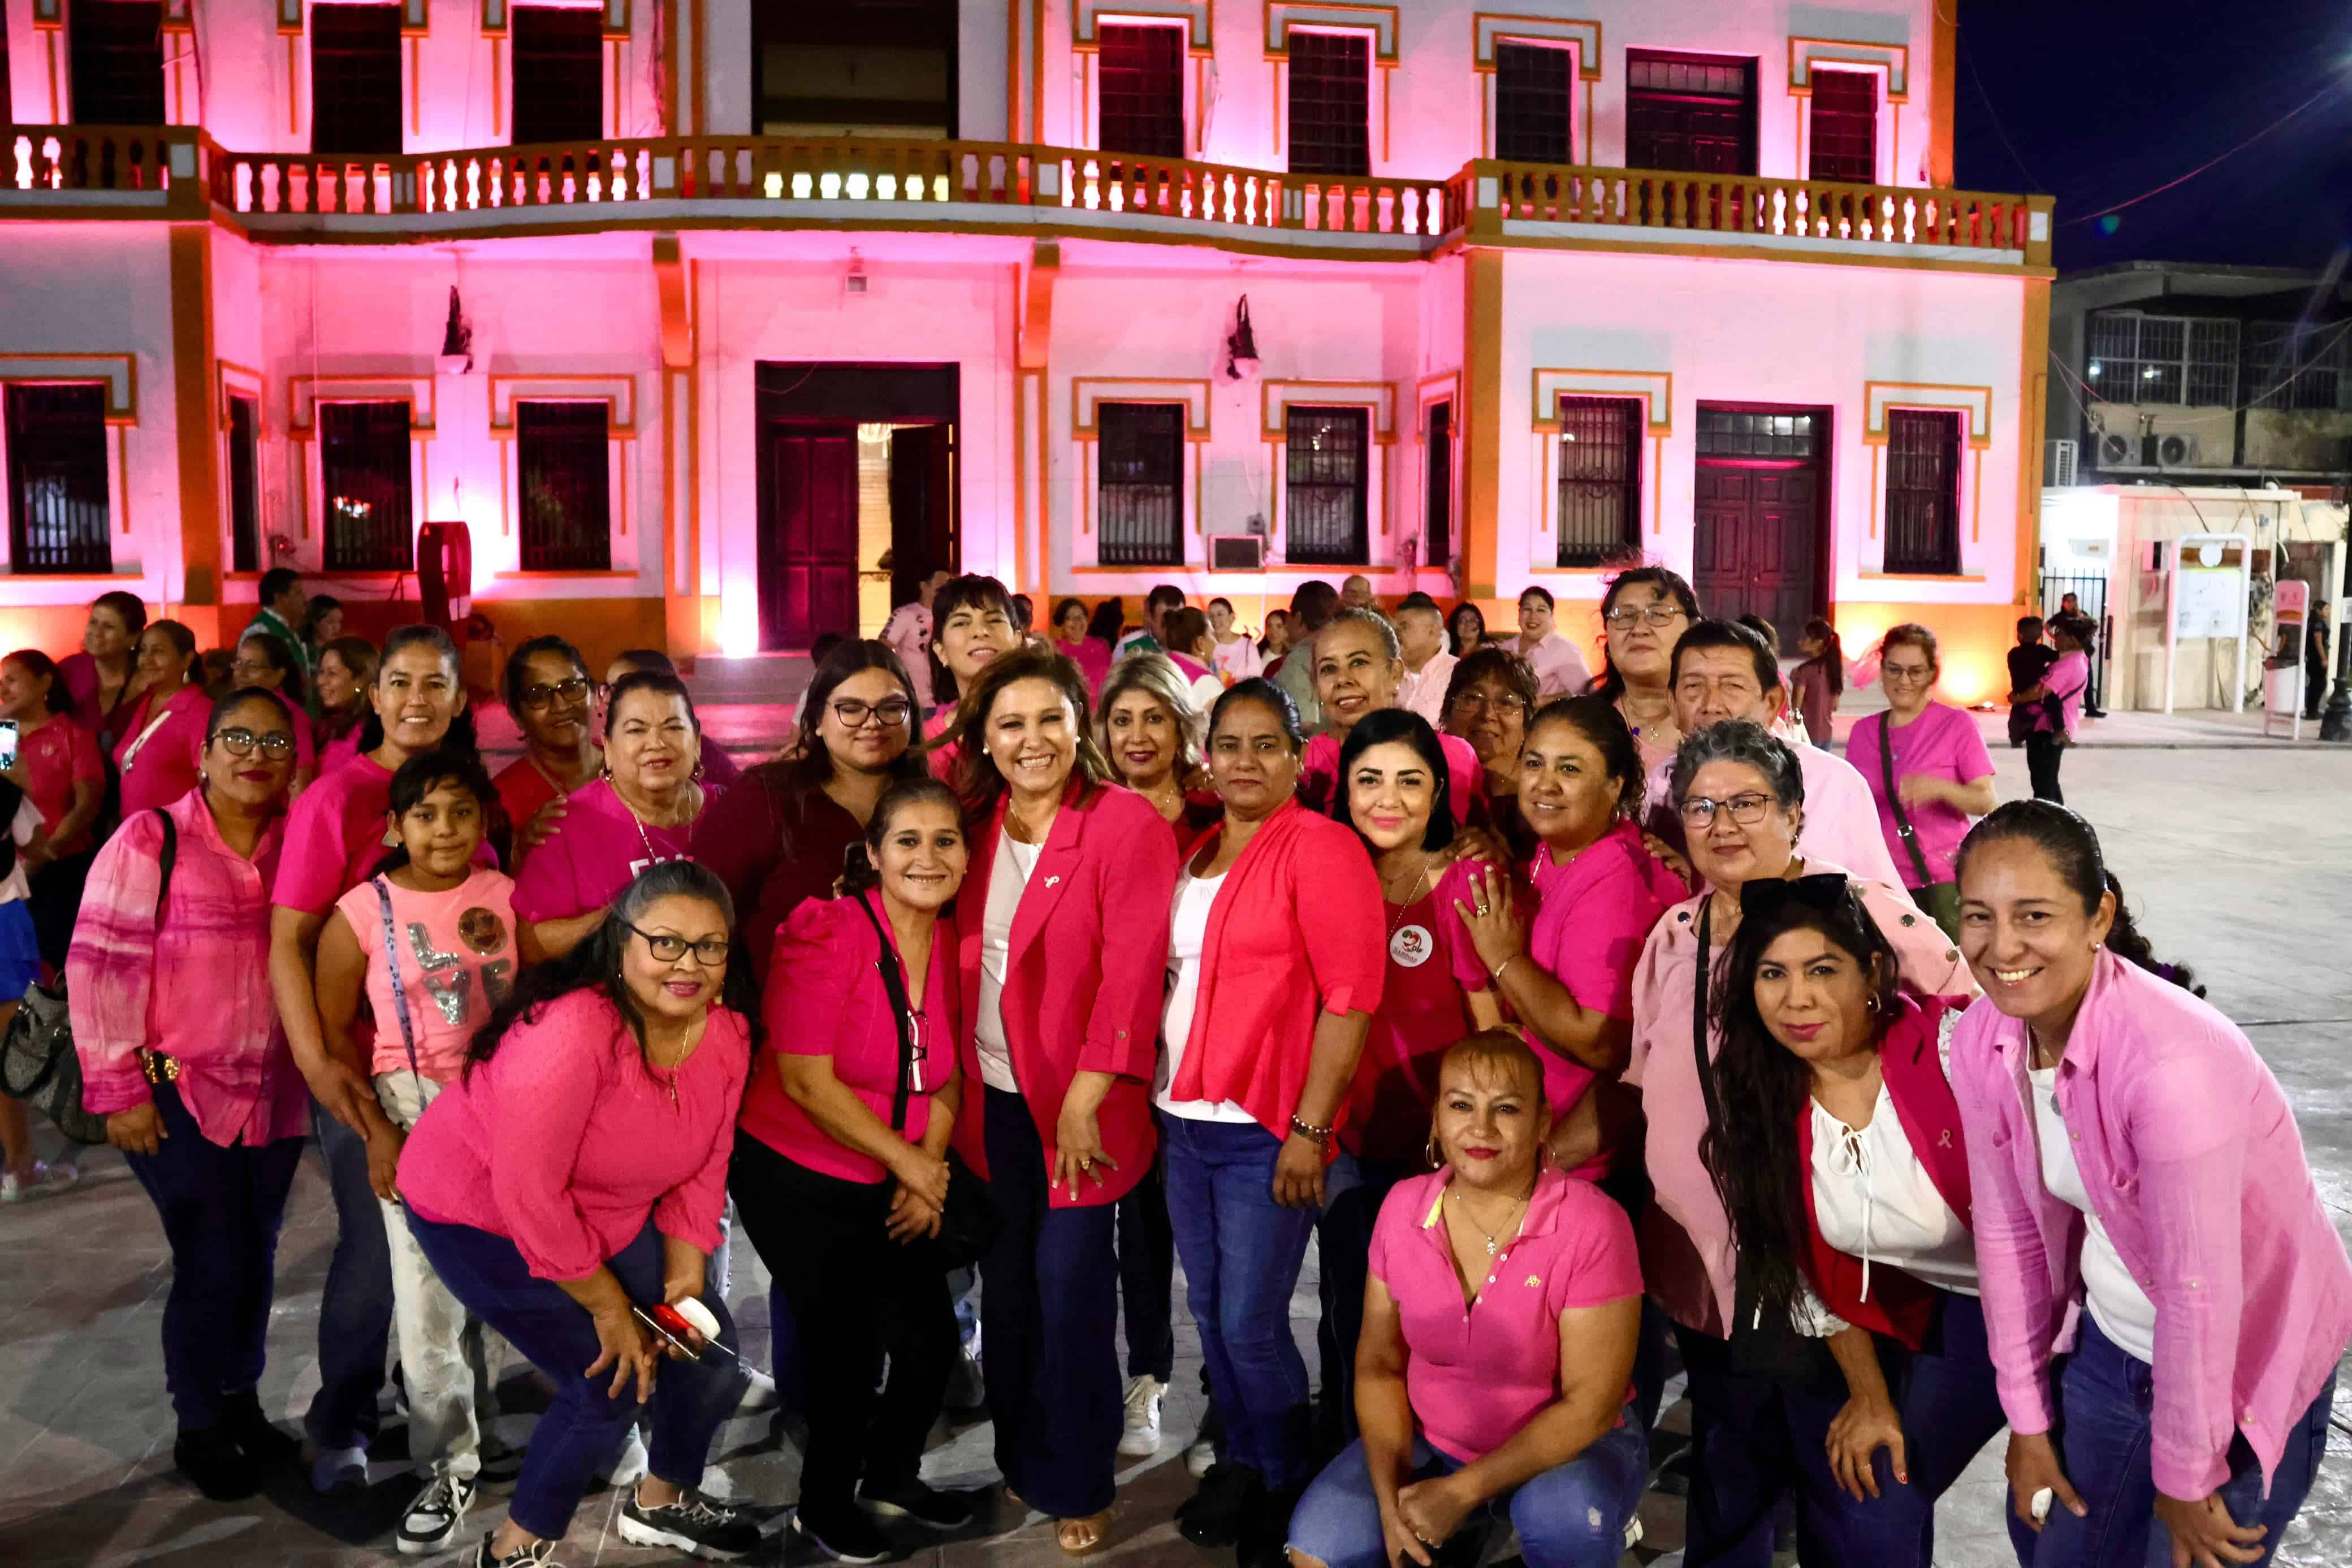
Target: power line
x: 2032, y: 181
x: 2209, y: 162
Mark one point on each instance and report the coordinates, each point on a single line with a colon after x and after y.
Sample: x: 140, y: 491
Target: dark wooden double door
x: 1759, y: 539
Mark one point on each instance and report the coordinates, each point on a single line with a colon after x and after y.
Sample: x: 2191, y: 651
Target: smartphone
x: 7, y: 743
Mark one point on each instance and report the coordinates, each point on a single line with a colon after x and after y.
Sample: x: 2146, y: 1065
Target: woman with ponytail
x: 2129, y: 1152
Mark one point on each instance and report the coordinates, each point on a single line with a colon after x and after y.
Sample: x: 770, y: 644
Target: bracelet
x: 1320, y: 1136
x: 1497, y: 975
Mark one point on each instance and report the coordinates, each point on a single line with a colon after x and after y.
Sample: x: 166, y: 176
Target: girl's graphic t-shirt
x: 453, y: 954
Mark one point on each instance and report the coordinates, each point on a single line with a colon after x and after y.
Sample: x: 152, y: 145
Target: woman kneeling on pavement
x: 1526, y: 1417
x: 574, y: 1173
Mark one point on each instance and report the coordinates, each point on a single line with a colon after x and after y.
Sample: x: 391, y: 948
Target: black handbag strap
x: 1894, y: 802
x: 894, y: 987
x: 168, y: 857
x: 1699, y: 1013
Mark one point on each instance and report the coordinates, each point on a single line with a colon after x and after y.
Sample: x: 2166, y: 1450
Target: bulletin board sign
x: 2205, y: 597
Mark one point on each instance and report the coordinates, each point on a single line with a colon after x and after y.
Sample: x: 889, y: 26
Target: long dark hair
x: 1752, y: 1150
x: 863, y: 873
x: 1610, y: 683
x: 1596, y: 719
x: 358, y: 656
x: 977, y: 780
x: 2070, y: 845
x: 595, y: 964
x: 281, y: 659
x: 181, y: 638
x: 1377, y: 728
x: 40, y: 667
x: 1452, y: 635
x: 1107, y: 621
x: 1831, y: 658
x: 460, y: 736
x: 512, y: 678
x: 425, y: 772
x: 794, y: 782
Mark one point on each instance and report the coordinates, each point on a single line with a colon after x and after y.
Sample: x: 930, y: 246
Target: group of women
x: 1066, y: 980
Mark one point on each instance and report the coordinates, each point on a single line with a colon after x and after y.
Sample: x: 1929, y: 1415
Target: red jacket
x: 1085, y: 976
x: 1900, y: 1306
x: 1296, y: 932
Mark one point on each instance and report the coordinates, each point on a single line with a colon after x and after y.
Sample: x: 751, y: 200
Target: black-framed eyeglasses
x: 1746, y: 810
x: 1625, y: 617
x: 277, y: 744
x: 567, y: 691
x: 891, y: 711
x: 710, y: 952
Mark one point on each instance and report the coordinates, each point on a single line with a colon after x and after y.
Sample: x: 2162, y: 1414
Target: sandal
x: 1082, y: 1537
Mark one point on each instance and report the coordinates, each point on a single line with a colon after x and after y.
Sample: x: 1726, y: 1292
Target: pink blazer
x: 1085, y: 976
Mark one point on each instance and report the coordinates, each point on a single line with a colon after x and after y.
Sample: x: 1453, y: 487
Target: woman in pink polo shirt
x: 1359, y: 663
x: 841, y: 1167
x: 1848, y: 1108
x: 1276, y: 964
x: 1514, y: 1405
x: 974, y: 617
x: 61, y: 772
x: 1063, y: 936
x: 2131, y: 1154
x: 166, y: 729
x: 1927, y: 768
x: 1739, y: 794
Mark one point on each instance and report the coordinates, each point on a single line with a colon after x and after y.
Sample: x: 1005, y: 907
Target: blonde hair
x: 1154, y: 674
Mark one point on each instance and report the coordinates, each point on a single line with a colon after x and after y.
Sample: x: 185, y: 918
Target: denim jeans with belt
x: 355, y: 1304
x: 2104, y: 1398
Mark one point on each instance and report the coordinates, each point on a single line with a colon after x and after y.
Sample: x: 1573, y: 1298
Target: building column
x: 1482, y: 422
x: 195, y: 408
x: 2032, y: 421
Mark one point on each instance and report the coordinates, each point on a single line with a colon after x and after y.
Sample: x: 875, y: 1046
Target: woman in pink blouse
x: 841, y: 1167
x: 104, y: 676
x: 2165, y: 1293
x: 166, y: 728
x: 1927, y: 768
x: 181, y: 1052
x: 572, y: 1176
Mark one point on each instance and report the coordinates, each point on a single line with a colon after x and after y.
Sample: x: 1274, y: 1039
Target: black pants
x: 1343, y: 1246
x: 56, y: 904
x: 2044, y: 750
x: 1147, y: 1277
x: 856, y: 1296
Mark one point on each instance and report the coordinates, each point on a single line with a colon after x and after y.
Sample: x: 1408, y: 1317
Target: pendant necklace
x: 1493, y: 1244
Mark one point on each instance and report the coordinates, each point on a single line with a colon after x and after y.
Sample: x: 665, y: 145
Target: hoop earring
x: 1430, y: 1153
x: 1870, y: 1002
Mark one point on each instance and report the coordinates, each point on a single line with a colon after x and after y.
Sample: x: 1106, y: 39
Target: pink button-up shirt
x: 1688, y: 1257
x: 1840, y: 817
x: 2189, y: 1156
x: 1559, y: 663
x: 197, y: 991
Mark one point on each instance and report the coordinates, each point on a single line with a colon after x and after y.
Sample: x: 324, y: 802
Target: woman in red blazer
x: 1277, y: 951
x: 1063, y: 936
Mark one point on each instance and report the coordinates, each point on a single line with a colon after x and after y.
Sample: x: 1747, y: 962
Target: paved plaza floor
x: 2238, y: 858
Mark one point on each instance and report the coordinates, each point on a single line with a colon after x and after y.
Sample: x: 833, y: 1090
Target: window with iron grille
x: 2173, y: 359
x: 354, y: 78
x: 1535, y: 93
x: 1600, y: 478
x: 245, y: 481
x: 559, y: 74
x: 1326, y: 491
x: 1745, y: 433
x: 1845, y: 126
x: 364, y: 463
x: 58, y: 511
x: 1139, y: 483
x: 1330, y: 103
x: 117, y: 57
x: 1437, y: 515
x: 1690, y: 111
x: 565, y: 486
x: 1140, y: 78
x: 1922, y: 491
x: 2289, y: 365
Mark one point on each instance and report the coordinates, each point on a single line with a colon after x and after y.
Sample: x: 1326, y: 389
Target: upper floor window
x: 1600, y: 478
x: 1922, y: 491
x: 2291, y: 365
x: 58, y: 508
x: 1534, y: 96
x: 1327, y: 490
x: 117, y: 49
x: 354, y: 78
x: 363, y: 464
x: 1140, y: 476
x: 1141, y: 90
x: 1330, y: 103
x: 1437, y: 504
x: 1844, y: 126
x: 2139, y: 358
x: 559, y: 74
x: 565, y: 484
x: 1690, y: 111
x: 853, y: 68
x: 244, y: 482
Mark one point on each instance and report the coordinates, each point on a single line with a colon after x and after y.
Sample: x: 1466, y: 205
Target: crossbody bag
x: 1941, y: 900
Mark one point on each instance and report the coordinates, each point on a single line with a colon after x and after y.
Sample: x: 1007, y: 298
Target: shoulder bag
x: 969, y: 1222
x: 38, y: 1063
x: 1941, y: 900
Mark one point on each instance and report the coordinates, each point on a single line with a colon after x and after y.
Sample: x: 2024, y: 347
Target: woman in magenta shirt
x: 2068, y: 678
x: 104, y: 676
x: 1359, y: 663
x: 841, y: 1167
x: 166, y: 729
x: 1091, y: 655
x: 61, y: 772
x: 2165, y: 1293
x: 1942, y: 773
x: 1498, y: 1337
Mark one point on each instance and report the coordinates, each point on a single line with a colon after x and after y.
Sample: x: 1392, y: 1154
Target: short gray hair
x: 1743, y: 741
x: 1155, y: 675
x: 1380, y: 624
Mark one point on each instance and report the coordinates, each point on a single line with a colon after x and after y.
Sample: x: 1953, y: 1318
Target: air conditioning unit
x: 2176, y: 451
x: 1236, y: 552
x: 2058, y: 463
x: 2117, y: 450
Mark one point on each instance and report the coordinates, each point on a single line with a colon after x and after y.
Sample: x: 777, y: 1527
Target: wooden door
x: 808, y: 532
x: 1756, y: 544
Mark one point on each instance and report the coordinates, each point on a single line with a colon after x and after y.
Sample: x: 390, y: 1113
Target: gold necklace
x: 1397, y: 918
x: 1494, y: 1243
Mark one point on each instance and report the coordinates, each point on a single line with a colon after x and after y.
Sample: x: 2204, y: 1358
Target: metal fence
x: 2091, y: 595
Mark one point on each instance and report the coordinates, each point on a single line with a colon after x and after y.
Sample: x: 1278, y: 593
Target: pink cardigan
x: 1084, y: 979
x: 2191, y: 1156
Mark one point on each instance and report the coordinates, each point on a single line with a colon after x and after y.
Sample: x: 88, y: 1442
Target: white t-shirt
x: 23, y: 829
x: 1188, y: 934
x: 1875, y: 1201
x: 1007, y: 880
x: 2117, y: 1304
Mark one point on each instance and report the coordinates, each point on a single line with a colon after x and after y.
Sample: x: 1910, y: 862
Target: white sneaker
x: 46, y: 1177
x: 1199, y: 1458
x: 1142, y: 1438
x: 433, y: 1518
x: 759, y: 1393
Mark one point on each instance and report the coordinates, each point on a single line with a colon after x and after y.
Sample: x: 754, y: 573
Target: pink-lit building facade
x: 758, y: 292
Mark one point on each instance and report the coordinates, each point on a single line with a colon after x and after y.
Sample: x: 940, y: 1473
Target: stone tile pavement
x: 2237, y: 858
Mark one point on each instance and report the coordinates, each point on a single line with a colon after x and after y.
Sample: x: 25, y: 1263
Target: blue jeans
x: 1242, y: 1255
x: 584, y: 1426
x: 1572, y: 1516
x: 2104, y: 1397
x: 355, y: 1305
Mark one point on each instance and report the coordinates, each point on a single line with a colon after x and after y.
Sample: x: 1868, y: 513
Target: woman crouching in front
x: 575, y: 1171
x: 1526, y: 1417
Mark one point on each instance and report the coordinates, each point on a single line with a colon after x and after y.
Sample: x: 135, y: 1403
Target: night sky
x: 2102, y: 100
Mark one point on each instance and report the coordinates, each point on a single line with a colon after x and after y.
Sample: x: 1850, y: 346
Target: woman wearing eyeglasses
x: 551, y: 698
x: 1927, y: 768
x: 182, y: 1053
x: 264, y: 661
x: 1487, y: 702
x: 1741, y: 796
x: 1643, y: 615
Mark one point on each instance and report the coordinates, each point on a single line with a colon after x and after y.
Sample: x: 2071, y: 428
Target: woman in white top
x: 1847, y: 1190
x: 1236, y: 658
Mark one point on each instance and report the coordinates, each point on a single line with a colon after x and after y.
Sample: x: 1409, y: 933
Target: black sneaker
x: 244, y: 1424
x: 1265, y: 1529
x: 1213, y: 1516
x: 845, y: 1535
x: 694, y: 1524
x: 926, y: 1505
x: 500, y: 1463
x: 538, y: 1554
x: 214, y: 1465
x: 432, y: 1520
